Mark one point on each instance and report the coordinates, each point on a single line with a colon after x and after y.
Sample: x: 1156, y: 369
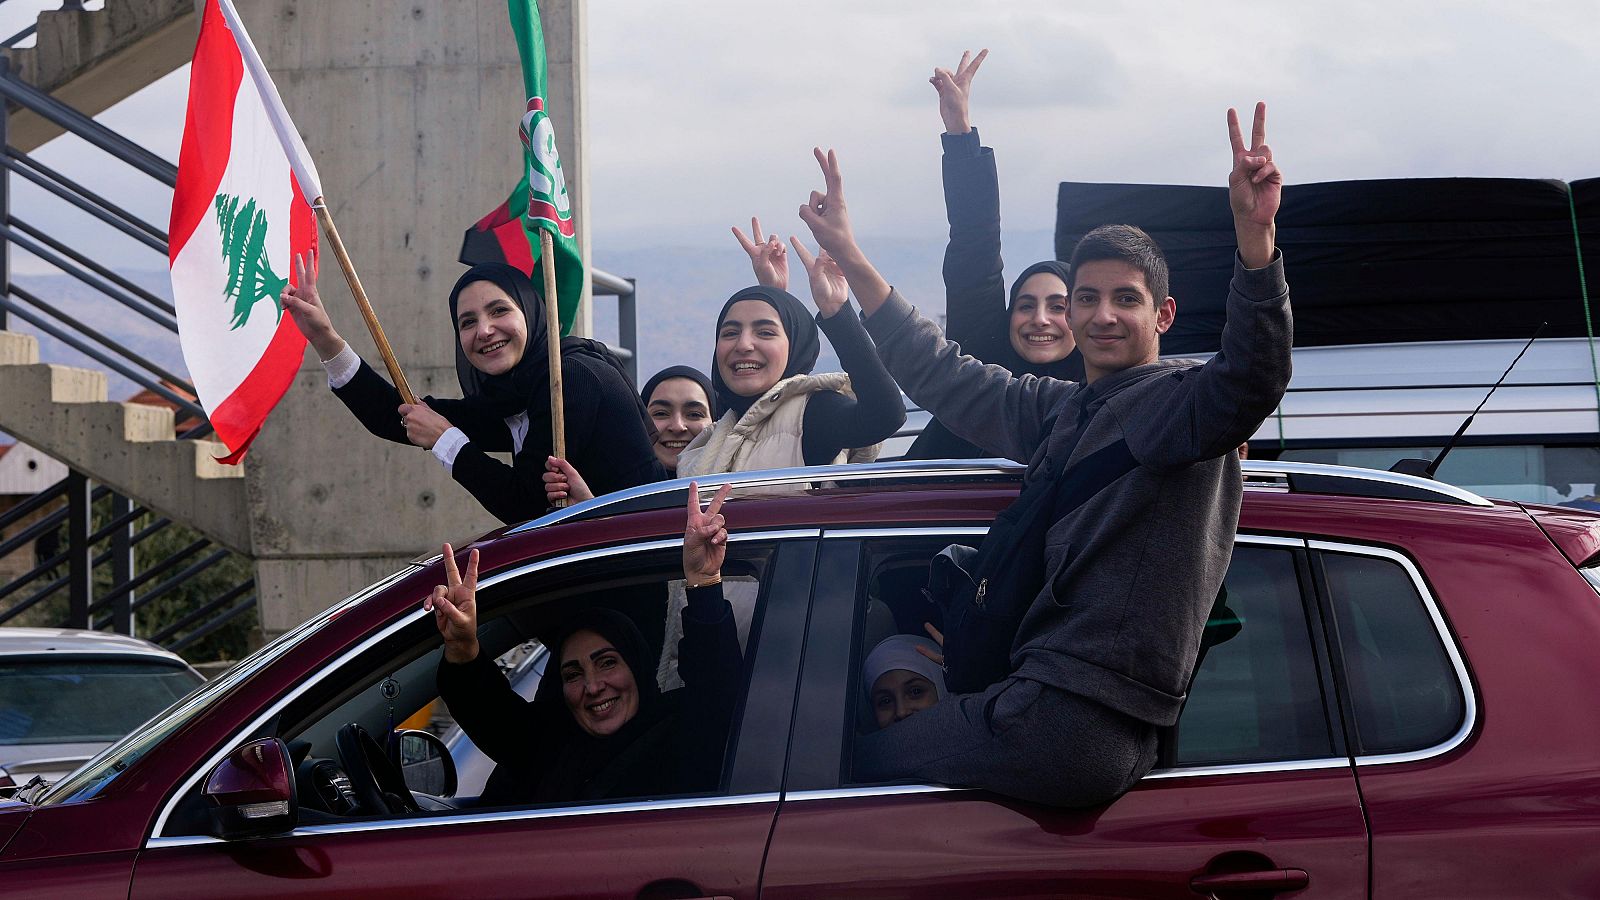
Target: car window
x: 1256, y: 696
x: 1403, y: 687
x: 84, y: 699
x: 1530, y: 473
x: 543, y: 757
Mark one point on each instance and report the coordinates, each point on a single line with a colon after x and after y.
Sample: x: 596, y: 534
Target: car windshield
x: 84, y: 699
x: 93, y: 776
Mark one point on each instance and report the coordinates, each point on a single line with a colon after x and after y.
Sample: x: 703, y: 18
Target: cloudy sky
x: 704, y: 113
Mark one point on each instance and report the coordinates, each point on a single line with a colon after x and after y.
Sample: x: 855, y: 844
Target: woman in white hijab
x: 901, y: 678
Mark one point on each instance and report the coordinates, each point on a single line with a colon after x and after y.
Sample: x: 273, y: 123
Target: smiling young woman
x: 1024, y: 330
x: 497, y: 318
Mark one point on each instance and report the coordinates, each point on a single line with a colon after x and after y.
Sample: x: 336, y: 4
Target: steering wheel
x: 377, y: 783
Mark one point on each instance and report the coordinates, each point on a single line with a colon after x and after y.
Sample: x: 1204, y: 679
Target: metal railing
x: 33, y: 27
x: 100, y: 560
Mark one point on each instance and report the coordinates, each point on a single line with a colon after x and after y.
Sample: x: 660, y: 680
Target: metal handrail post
x: 628, y: 326
x: 59, y: 113
x: 122, y: 566
x: 80, y: 562
x: 5, y: 194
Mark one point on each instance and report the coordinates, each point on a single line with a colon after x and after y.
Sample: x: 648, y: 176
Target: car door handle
x: 1267, y: 880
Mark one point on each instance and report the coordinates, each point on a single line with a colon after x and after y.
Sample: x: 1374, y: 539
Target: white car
x: 65, y: 694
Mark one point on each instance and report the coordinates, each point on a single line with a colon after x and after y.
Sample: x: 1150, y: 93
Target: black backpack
x: 985, y: 592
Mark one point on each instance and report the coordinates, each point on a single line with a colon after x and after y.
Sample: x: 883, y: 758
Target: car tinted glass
x: 1256, y: 696
x: 1527, y: 473
x: 93, y: 776
x: 84, y: 700
x: 1402, y: 685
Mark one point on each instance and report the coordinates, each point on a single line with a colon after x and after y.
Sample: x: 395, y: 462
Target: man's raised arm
x: 1241, y: 385
x: 982, y: 404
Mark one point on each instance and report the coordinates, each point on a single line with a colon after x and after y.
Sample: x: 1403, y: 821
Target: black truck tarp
x: 1418, y: 259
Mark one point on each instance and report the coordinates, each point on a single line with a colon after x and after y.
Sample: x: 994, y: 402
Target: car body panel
x: 1149, y: 843
x: 715, y: 849
x: 1575, y: 531
x: 1512, y: 810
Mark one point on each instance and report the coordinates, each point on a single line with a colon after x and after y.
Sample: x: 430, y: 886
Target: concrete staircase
x: 130, y: 447
x: 92, y: 59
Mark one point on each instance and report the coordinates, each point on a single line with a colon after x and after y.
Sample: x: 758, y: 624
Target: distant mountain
x: 682, y: 288
x: 87, y: 308
x: 680, y: 291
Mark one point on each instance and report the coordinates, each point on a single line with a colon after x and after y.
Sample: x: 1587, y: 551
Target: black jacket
x: 680, y: 752
x: 606, y: 440
x: 977, y: 311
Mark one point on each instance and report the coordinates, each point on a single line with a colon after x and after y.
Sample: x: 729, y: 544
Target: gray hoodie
x: 1132, y: 573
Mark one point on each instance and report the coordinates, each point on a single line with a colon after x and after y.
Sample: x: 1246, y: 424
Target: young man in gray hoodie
x: 1103, y: 655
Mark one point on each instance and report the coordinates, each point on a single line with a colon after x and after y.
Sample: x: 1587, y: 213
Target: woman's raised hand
x: 829, y: 290
x: 705, y: 537
x: 562, y: 482
x: 423, y: 426
x: 455, y: 608
x: 768, y: 257
x: 305, y: 308
x: 955, y: 92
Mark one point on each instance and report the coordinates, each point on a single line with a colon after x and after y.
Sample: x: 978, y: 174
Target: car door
x: 683, y: 846
x: 1257, y: 793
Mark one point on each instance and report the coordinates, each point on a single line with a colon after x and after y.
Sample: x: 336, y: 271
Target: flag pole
x: 325, y: 219
x: 552, y: 318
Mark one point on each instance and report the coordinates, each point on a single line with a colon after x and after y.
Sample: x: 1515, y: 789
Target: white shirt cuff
x: 448, y: 445
x: 342, y: 367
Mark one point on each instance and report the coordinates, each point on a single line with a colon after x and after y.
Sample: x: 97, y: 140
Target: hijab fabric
x: 899, y: 651
x: 515, y: 391
x: 578, y: 767
x: 798, y: 324
x: 1069, y: 367
x: 526, y: 388
x: 689, y: 372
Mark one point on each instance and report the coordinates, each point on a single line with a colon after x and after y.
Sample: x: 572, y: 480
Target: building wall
x: 410, y: 110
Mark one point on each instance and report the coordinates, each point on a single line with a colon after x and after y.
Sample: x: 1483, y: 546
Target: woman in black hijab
x: 598, y: 727
x: 1024, y: 331
x: 679, y: 402
x: 502, y: 365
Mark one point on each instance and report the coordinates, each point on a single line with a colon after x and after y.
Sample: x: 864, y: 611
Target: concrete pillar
x: 410, y: 108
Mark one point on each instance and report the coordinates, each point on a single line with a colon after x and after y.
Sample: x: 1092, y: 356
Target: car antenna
x: 1425, y: 468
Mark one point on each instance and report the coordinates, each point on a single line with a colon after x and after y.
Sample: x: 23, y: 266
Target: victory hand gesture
x: 705, y: 538
x: 1255, y: 188
x: 455, y: 608
x: 955, y: 91
x: 768, y: 257
x: 305, y: 307
x: 829, y: 291
x: 826, y: 214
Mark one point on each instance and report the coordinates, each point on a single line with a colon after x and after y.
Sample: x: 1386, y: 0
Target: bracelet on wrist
x: 715, y: 579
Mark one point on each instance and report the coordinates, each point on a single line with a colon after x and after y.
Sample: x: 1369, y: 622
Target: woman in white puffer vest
x: 777, y: 414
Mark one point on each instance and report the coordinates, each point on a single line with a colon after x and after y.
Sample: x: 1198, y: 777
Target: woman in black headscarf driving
x: 502, y: 363
x: 598, y: 727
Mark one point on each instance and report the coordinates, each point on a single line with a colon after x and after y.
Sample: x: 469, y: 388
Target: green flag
x: 540, y: 199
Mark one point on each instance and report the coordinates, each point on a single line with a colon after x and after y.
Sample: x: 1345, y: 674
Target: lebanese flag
x: 239, y: 216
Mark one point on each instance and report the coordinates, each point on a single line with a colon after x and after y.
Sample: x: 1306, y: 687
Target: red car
x: 1395, y: 700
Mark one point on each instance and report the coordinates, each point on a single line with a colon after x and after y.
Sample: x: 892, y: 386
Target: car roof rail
x: 667, y: 494
x: 1316, y: 478
x: 1351, y: 481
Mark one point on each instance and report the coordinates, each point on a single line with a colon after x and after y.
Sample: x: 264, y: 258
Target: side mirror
x: 252, y: 791
x: 426, y: 765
